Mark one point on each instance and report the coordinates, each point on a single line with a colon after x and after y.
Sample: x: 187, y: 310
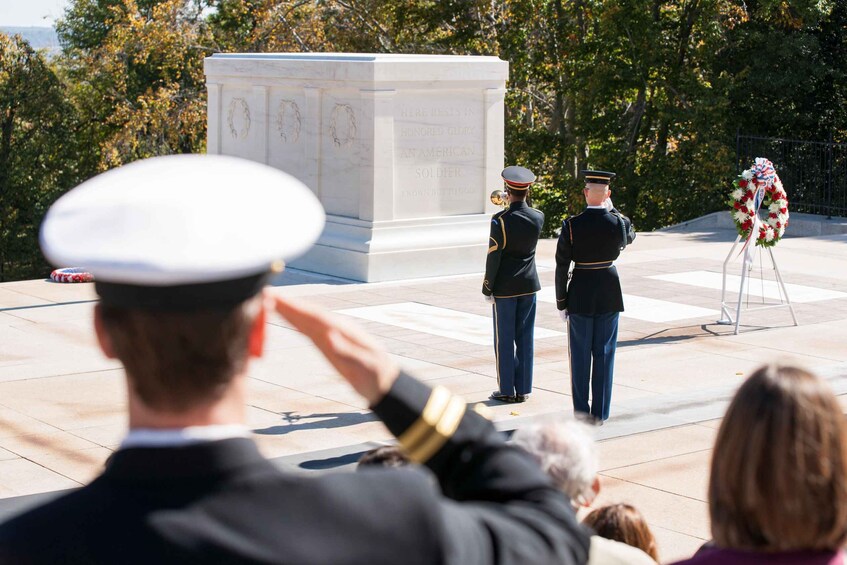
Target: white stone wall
x: 402, y: 150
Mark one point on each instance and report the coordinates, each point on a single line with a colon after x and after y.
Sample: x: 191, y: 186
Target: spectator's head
x: 385, y: 456
x: 779, y: 468
x: 181, y: 248
x: 623, y: 523
x: 565, y: 450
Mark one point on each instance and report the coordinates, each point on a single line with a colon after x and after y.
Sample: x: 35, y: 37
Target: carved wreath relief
x: 238, y: 118
x: 342, y: 125
x: 288, y: 122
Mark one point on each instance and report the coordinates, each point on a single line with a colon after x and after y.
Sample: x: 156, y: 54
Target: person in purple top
x: 778, y: 486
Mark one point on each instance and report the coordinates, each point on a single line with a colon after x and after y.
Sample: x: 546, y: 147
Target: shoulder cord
x: 570, y: 232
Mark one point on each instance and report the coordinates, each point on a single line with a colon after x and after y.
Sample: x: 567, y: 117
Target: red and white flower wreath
x: 71, y: 275
x: 755, y: 187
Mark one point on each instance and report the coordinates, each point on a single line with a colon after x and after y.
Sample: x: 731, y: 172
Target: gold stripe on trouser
x: 496, y: 344
x: 443, y: 431
x: 432, y: 412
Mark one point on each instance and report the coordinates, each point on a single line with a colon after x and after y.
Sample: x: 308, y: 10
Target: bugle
x: 500, y: 198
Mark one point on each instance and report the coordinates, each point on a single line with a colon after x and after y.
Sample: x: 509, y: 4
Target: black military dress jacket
x: 510, y: 266
x: 222, y: 502
x: 592, y: 240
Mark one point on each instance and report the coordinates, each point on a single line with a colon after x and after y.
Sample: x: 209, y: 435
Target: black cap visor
x: 218, y: 295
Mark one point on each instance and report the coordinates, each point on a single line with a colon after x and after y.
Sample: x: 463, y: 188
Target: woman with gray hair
x: 566, y: 452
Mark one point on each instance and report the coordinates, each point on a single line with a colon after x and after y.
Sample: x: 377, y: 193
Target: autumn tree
x: 249, y: 26
x: 137, y: 69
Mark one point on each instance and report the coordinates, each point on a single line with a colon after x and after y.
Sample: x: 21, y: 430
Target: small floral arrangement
x: 755, y: 187
x: 71, y: 275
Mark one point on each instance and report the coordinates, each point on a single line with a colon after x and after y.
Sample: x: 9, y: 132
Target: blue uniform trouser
x: 592, y: 338
x: 514, y: 326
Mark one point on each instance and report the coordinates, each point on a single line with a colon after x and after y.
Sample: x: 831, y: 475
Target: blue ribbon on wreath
x: 764, y: 171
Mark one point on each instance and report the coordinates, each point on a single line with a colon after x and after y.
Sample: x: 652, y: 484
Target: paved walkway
x: 62, y: 404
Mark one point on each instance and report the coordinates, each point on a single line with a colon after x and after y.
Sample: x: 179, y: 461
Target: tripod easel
x: 746, y: 267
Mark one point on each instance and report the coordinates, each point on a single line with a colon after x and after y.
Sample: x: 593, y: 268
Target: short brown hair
x: 779, y: 468
x: 177, y: 360
x: 521, y: 195
x: 623, y: 523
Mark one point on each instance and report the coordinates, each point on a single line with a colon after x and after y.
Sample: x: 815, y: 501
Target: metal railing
x: 814, y: 173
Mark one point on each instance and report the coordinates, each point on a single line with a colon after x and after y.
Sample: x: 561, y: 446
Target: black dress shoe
x: 499, y: 396
x: 521, y: 397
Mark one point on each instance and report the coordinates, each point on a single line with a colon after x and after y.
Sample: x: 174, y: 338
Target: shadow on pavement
x: 316, y: 422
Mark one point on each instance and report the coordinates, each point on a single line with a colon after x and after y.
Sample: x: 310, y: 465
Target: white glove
x: 607, y: 204
x: 563, y: 314
x: 488, y: 299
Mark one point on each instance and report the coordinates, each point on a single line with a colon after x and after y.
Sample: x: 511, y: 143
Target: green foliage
x: 831, y: 95
x: 37, y: 154
x: 654, y: 90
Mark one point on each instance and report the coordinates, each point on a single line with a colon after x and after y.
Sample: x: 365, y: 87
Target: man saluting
x: 182, y: 247
x: 510, y: 284
x: 593, y: 301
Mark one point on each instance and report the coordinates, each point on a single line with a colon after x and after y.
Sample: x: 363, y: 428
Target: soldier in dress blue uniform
x: 592, y: 301
x: 183, y: 308
x: 510, y: 284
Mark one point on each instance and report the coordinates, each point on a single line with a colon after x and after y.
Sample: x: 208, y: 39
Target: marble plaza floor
x: 62, y: 404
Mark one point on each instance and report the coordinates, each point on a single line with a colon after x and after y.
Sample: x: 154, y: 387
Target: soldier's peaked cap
x: 518, y: 178
x: 182, y: 232
x: 598, y: 177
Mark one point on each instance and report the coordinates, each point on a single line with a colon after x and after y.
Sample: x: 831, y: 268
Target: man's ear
x: 256, y: 341
x: 103, y: 338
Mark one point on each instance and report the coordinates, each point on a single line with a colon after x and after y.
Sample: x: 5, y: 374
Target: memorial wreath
x: 71, y: 275
x: 759, y: 186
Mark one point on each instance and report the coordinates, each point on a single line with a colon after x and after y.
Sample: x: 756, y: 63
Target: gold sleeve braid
x: 438, y: 422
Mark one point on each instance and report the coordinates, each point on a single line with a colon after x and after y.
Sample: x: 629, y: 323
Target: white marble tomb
x: 402, y: 150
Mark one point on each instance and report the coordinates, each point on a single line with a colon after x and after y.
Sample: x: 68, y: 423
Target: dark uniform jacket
x: 592, y: 240
x: 222, y: 502
x: 510, y: 267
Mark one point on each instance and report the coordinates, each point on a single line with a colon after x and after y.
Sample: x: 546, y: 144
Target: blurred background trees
x: 654, y: 90
x: 38, y: 153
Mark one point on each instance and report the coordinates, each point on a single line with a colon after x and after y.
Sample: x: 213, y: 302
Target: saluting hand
x: 352, y: 351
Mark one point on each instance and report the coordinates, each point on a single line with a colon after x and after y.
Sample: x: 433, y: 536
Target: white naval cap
x: 182, y: 232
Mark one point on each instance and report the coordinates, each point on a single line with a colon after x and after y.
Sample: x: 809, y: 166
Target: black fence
x: 814, y: 173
